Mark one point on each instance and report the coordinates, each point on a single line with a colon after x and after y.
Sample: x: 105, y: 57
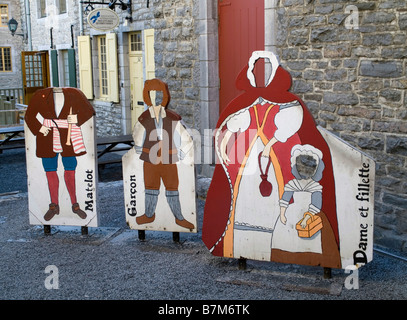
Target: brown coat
x: 42, y: 103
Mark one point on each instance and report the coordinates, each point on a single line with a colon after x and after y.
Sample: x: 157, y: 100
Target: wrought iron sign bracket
x: 124, y: 6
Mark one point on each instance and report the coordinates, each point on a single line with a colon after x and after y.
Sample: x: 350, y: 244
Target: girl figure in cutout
x: 268, y: 122
x: 300, y: 202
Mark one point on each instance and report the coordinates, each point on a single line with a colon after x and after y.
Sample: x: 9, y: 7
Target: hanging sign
x: 103, y: 19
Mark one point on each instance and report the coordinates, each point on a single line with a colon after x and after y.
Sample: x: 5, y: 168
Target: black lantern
x: 12, y: 26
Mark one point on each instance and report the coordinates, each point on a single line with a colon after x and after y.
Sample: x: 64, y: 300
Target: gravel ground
x: 111, y: 263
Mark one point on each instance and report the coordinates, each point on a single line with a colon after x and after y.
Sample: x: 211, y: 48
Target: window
x: 3, y: 15
x: 33, y: 66
x: 108, y: 72
x: 135, y: 41
x: 5, y: 59
x: 42, y: 8
x: 104, y: 91
x: 61, y: 6
x: 65, y: 69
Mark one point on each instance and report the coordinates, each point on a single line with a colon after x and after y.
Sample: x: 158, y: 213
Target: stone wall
x: 60, y: 23
x: 177, y: 57
x: 349, y: 66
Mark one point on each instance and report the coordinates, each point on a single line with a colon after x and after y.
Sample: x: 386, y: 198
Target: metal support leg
x: 175, y: 237
x: 242, y: 264
x: 84, y: 230
x: 47, y: 229
x: 142, y: 235
x: 327, y: 273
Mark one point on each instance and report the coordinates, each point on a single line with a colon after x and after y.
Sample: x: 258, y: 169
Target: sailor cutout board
x: 158, y: 173
x: 284, y: 189
x: 61, y: 163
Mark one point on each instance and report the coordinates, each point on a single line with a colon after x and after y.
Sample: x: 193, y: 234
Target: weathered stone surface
x: 397, y: 145
x: 337, y: 50
x: 341, y: 98
x: 379, y: 17
x: 395, y: 199
x: 403, y: 21
x: 391, y: 94
x: 362, y: 95
x: 381, y: 69
x: 379, y: 39
x: 324, y: 34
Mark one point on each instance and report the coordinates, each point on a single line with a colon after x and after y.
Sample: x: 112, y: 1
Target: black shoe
x: 52, y: 211
x: 78, y: 211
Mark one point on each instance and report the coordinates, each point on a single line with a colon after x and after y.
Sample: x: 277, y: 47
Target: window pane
x: 103, y: 67
x: 135, y: 41
x: 62, y: 6
x: 5, y: 59
x: 3, y: 15
x: 66, y: 68
x: 42, y: 8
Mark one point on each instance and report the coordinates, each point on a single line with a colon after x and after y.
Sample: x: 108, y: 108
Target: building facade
x: 347, y: 60
x: 10, y: 47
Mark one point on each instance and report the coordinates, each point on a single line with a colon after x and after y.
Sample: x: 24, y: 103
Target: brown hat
x: 156, y: 85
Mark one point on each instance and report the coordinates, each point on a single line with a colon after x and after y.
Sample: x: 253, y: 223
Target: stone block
x: 342, y: 86
x: 403, y: 21
x: 337, y: 18
x: 314, y: 54
x: 368, y: 142
x: 379, y: 39
x: 395, y: 200
x: 381, y: 69
x: 379, y: 17
x: 298, y: 64
x: 300, y: 86
x: 395, y: 53
x: 337, y: 50
x: 341, y: 98
x: 313, y: 75
x: 324, y: 34
x: 391, y: 95
x: 335, y: 74
x: 396, y: 145
x: 325, y: 9
x: 366, y: 5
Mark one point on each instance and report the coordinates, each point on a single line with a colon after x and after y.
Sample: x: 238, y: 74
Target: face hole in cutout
x: 259, y: 72
x: 156, y: 97
x: 306, y: 166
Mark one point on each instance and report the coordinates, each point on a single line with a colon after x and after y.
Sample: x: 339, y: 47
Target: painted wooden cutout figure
x: 261, y: 203
x: 60, y: 151
x: 158, y: 173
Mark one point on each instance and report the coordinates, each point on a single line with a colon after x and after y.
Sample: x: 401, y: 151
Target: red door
x: 241, y: 31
